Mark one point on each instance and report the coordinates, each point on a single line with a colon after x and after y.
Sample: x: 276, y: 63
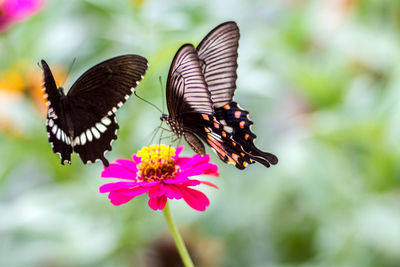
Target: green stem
x: 187, y: 261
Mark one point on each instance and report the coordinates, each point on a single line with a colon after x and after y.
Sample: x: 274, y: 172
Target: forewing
x: 56, y: 124
x: 109, y: 84
x: 186, y: 89
x: 218, y: 53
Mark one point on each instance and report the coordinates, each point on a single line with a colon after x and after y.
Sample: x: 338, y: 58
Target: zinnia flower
x: 14, y: 11
x: 159, y: 171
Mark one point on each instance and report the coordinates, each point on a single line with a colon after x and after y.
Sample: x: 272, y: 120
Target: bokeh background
x: 321, y: 80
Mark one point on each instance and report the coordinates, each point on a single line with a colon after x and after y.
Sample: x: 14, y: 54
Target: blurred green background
x: 321, y: 80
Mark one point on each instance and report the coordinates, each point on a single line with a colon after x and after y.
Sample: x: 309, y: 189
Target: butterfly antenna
x: 162, y: 94
x: 69, y: 71
x: 148, y: 102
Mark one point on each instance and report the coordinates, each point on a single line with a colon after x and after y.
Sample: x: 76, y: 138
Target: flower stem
x: 187, y: 261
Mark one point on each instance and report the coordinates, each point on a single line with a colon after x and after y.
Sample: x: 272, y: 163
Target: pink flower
x: 14, y: 11
x: 159, y: 171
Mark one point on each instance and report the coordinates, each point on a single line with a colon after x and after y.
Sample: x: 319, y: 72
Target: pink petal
x: 200, y: 166
x: 178, y: 151
x: 13, y: 11
x: 118, y: 199
x: 193, y: 183
x: 157, y: 190
x: 211, y: 170
x: 179, y: 179
x: 136, y: 159
x: 195, y: 199
x: 172, y: 192
x: 136, y: 191
x: 20, y: 8
x: 182, y: 160
x: 192, y: 161
x: 196, y: 170
x: 157, y: 203
x: 115, y: 170
x: 129, y: 164
x: 116, y: 186
x: 197, y: 165
x: 209, y: 184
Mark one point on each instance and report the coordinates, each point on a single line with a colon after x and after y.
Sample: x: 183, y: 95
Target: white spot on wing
x: 228, y: 129
x: 95, y: 133
x: 83, y: 139
x: 106, y: 121
x: 54, y: 129
x: 58, y: 134
x: 120, y: 104
x: 89, y: 135
x: 101, y: 127
x: 114, y: 109
x: 126, y: 97
x: 51, y: 123
x: 223, y: 122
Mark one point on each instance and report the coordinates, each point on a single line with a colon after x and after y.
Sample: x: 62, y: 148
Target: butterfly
x: 199, y: 91
x: 83, y: 121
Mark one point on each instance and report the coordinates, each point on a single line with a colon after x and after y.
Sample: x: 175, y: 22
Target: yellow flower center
x: 157, y: 163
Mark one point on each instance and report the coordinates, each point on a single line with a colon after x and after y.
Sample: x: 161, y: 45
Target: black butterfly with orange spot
x: 200, y: 87
x: 83, y: 120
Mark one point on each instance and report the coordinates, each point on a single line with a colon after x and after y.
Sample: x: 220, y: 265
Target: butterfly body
x: 200, y: 88
x: 83, y: 120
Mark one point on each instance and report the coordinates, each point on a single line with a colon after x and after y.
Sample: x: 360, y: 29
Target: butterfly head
x: 164, y: 118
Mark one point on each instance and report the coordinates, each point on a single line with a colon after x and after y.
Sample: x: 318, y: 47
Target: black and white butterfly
x: 200, y: 87
x: 84, y: 120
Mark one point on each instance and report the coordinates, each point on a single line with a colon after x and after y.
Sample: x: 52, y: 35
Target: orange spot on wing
x: 224, y: 134
x: 242, y: 124
x: 237, y: 114
x: 246, y: 137
x: 206, y: 117
x: 235, y: 157
x: 216, y: 125
x: 227, y: 107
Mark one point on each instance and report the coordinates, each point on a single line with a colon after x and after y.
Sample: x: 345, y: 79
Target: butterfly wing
x: 186, y: 89
x: 56, y: 124
x: 95, y: 97
x: 187, y: 95
x: 218, y: 53
x: 108, y: 84
x: 218, y: 56
x: 93, y: 143
x: 207, y: 128
x: 236, y: 122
